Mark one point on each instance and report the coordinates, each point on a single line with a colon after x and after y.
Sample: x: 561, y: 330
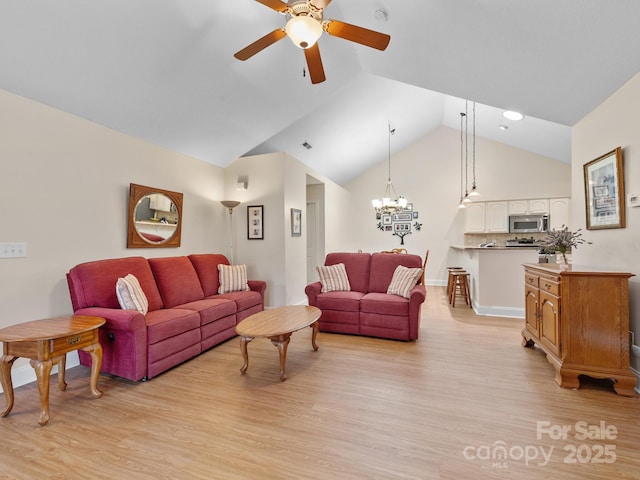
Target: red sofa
x: 186, y: 314
x: 367, y: 309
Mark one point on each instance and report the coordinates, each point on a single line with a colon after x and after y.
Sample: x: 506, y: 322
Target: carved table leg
x: 282, y: 342
x: 314, y: 326
x: 245, y: 354
x: 62, y: 367
x: 95, y: 351
x: 43, y: 371
x: 7, y: 385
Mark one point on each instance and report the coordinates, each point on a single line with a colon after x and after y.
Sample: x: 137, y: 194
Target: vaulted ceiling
x: 164, y: 71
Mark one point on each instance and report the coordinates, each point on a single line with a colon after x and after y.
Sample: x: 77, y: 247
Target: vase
x: 561, y: 260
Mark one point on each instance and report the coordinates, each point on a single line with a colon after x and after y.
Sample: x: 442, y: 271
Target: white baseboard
x: 25, y: 374
x: 511, y: 312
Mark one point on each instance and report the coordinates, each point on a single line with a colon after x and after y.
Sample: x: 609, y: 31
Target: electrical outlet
x: 13, y: 250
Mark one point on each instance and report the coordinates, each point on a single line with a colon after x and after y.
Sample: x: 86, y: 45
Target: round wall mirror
x: 155, y: 217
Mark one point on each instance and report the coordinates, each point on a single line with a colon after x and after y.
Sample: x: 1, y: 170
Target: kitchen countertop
x: 497, y: 247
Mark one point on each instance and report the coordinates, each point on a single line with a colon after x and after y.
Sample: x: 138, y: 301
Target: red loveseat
x: 367, y: 309
x: 186, y: 314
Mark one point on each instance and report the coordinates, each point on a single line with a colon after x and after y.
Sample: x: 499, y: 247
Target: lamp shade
x: 230, y: 204
x: 304, y: 31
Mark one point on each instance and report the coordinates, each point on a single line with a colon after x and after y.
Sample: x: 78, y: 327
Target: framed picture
x: 255, y: 223
x: 402, y: 217
x: 604, y: 191
x: 386, y: 219
x: 296, y: 222
x: 401, y: 227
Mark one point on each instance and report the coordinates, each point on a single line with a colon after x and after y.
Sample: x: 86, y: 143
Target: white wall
x: 613, y: 123
x: 64, y: 187
x: 278, y: 181
x: 428, y: 174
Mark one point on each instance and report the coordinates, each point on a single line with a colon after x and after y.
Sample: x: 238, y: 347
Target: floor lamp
x: 230, y: 204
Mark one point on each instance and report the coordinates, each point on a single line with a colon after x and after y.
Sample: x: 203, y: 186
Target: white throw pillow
x: 233, y: 278
x: 333, y: 278
x: 403, y: 281
x: 130, y: 294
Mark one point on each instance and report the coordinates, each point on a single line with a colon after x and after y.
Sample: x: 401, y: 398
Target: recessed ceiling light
x: 511, y: 115
x: 503, y: 127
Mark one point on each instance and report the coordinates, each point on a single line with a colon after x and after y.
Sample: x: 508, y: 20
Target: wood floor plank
x: 357, y: 408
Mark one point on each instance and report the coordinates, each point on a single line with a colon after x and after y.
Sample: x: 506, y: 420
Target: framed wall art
x: 255, y: 222
x: 604, y: 191
x: 296, y: 222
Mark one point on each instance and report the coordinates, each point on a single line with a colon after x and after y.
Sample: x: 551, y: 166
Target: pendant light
x: 474, y: 188
x: 461, y: 203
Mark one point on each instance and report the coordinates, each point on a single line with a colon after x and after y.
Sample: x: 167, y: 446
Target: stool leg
x: 454, y: 293
x: 467, y: 290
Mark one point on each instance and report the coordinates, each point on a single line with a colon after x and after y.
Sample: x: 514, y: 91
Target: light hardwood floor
x: 358, y: 408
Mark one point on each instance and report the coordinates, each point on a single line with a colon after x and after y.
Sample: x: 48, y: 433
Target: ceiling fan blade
x: 320, y: 3
x: 314, y: 64
x: 361, y: 35
x: 276, y: 5
x: 260, y: 44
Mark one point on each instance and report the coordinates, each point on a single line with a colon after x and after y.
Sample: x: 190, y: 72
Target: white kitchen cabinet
x: 524, y: 207
x: 497, y: 217
x: 559, y: 213
x: 475, y: 217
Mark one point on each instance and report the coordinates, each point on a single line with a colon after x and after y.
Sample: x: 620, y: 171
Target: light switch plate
x: 13, y: 250
x: 633, y: 200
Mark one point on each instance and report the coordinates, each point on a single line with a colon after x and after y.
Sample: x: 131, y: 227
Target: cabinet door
x: 518, y: 207
x: 559, y: 213
x: 539, y: 206
x: 549, y: 308
x: 497, y: 217
x: 531, y: 294
x: 475, y: 218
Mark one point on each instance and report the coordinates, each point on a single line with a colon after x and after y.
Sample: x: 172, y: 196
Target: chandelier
x: 390, y: 202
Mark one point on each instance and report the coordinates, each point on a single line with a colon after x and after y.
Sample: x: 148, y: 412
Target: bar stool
x: 450, y: 280
x: 460, y: 287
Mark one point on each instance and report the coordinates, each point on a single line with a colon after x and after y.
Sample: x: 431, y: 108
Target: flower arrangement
x: 562, y: 240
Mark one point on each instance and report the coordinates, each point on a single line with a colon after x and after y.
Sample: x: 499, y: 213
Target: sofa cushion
x: 347, y: 301
x: 383, y: 265
x: 206, y: 266
x: 93, y: 284
x: 333, y: 278
x: 403, y: 281
x: 243, y: 300
x: 233, y: 278
x: 170, y: 322
x: 211, y: 309
x: 130, y: 294
x: 177, y: 280
x: 357, y: 266
x: 384, y: 304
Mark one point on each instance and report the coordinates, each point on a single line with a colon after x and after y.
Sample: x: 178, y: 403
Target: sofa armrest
x: 116, y: 318
x: 416, y: 299
x: 259, y: 286
x: 313, y: 290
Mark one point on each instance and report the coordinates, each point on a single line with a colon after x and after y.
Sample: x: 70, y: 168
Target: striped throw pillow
x: 233, y: 278
x: 130, y: 294
x: 403, y: 281
x: 333, y: 278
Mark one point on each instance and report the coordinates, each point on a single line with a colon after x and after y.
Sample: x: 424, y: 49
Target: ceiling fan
x: 304, y: 28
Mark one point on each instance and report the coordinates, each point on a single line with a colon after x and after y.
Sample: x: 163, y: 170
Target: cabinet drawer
x: 531, y: 279
x: 73, y: 342
x: 550, y: 285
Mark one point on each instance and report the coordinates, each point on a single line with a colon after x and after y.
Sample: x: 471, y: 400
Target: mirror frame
x: 134, y: 239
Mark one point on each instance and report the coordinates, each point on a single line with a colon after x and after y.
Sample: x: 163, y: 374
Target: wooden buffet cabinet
x: 580, y: 319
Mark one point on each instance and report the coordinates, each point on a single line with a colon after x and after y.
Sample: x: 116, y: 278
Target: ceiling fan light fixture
x: 303, y: 30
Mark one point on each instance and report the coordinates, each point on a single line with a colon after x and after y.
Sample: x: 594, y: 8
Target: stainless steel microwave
x: 528, y: 223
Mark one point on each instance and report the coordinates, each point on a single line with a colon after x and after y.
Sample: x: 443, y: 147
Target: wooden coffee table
x: 277, y: 324
x: 47, y: 342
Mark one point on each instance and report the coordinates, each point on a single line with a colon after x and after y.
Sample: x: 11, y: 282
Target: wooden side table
x: 46, y: 342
